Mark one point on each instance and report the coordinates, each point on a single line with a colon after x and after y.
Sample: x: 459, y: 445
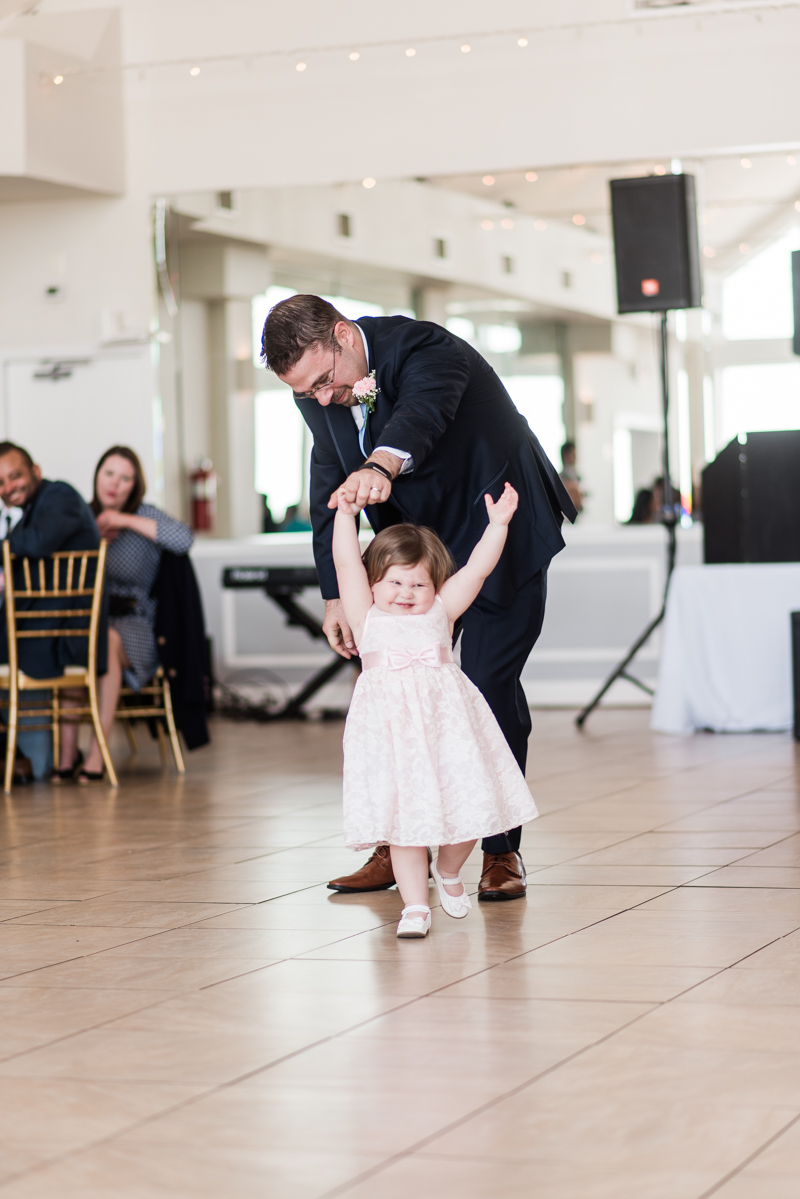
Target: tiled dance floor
x: 186, y: 1011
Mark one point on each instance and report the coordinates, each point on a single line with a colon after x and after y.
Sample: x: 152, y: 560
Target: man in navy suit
x: 441, y: 433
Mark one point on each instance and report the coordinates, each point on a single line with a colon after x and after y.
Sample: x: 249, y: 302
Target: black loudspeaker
x: 655, y: 243
x: 751, y: 500
x: 796, y: 298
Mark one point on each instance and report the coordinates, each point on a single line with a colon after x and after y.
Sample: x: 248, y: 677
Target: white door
x: 67, y: 423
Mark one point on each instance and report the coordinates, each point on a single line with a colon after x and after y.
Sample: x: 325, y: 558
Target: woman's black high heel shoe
x: 63, y: 776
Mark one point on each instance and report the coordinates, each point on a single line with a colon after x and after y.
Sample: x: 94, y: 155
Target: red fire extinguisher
x: 204, y: 495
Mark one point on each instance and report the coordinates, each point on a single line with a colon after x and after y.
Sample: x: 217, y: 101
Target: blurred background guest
x: 643, y: 508
x: 52, y: 516
x: 137, y: 533
x: 569, y: 474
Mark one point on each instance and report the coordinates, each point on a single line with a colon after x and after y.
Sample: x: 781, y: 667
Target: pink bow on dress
x: 397, y: 659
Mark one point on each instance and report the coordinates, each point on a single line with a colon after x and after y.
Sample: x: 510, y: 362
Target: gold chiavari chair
x: 153, y: 702
x: 61, y: 578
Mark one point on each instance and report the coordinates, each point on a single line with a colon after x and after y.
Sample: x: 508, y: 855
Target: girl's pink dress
x: 425, y: 762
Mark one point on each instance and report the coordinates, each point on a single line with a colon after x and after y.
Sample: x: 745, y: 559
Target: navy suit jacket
x: 57, y: 518
x: 441, y: 402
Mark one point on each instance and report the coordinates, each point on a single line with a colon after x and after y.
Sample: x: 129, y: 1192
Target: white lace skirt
x: 425, y: 762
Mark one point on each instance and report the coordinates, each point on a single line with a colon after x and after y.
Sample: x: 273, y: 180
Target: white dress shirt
x: 359, y: 412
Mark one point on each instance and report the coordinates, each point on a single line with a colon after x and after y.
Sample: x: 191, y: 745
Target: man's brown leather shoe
x: 375, y: 875
x: 503, y: 877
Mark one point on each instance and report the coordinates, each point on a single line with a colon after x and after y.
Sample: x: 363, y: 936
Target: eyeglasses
x: 311, y: 394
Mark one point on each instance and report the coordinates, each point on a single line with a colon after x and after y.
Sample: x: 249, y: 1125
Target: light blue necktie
x: 363, y: 429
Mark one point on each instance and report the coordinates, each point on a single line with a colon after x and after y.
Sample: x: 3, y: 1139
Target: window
x: 540, y: 399
x: 439, y: 247
x: 344, y: 224
x: 753, y: 399
x: 507, y: 265
x: 278, y: 450
x: 757, y: 299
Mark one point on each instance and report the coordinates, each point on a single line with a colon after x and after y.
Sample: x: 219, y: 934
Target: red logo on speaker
x: 650, y: 287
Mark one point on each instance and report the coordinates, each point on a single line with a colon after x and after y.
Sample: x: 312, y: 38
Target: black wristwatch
x: 380, y: 469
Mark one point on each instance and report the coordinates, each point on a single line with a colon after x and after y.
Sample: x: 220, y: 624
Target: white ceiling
x: 738, y: 205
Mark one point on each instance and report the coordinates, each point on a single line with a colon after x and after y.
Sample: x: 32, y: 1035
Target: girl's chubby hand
x: 500, y: 513
x: 344, y: 505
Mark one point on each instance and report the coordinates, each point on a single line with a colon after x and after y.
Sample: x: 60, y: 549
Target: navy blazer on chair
x: 440, y: 401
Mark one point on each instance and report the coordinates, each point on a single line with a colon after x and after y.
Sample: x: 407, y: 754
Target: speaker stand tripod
x: 668, y: 517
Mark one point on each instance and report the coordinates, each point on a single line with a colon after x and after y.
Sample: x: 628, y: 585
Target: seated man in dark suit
x: 417, y: 426
x: 55, y: 517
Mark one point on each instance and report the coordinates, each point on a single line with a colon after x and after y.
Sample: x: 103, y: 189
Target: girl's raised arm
x: 462, y: 588
x: 354, y: 589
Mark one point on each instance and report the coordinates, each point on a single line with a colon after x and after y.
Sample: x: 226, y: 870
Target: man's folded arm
x: 56, y: 518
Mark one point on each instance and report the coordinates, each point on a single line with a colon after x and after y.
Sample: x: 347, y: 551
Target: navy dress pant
x: 495, y: 645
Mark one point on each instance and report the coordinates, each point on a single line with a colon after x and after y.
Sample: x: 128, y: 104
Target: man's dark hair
x: 567, y: 447
x: 9, y: 447
x: 292, y: 327
x: 139, y: 483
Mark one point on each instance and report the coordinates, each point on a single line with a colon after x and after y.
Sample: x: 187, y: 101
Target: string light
x: 487, y: 225
x: 195, y: 71
x: 746, y: 163
x: 531, y: 176
x: 797, y: 205
x: 791, y: 161
x: 522, y: 41
x: 596, y: 258
x: 354, y: 55
x: 368, y: 182
x: 507, y: 223
x: 578, y: 219
x: 410, y: 53
x: 659, y: 169
x: 709, y: 251
x: 744, y: 248
x: 540, y: 226
x: 301, y: 66
x: 488, y: 180
x: 58, y: 79
x: 465, y: 49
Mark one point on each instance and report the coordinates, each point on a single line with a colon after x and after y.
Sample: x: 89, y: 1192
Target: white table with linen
x: 726, y: 658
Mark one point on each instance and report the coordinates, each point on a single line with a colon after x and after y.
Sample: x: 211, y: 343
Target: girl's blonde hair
x: 408, y: 545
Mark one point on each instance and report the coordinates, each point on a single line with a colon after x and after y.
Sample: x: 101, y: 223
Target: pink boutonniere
x: 366, y: 391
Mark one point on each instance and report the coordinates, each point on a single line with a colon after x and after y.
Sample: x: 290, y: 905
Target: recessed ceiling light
x: 744, y: 248
x: 522, y: 41
x: 531, y: 176
x: 507, y: 223
x: 58, y: 79
x: 410, y: 52
x: 539, y: 225
x: 368, y: 182
x: 354, y: 55
x: 709, y: 251
x: 487, y: 224
x: 578, y: 219
x: 488, y: 180
x: 465, y: 49
x: 746, y: 163
x: 301, y: 66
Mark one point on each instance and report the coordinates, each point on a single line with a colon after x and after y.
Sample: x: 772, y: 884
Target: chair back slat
x: 70, y: 568
x: 26, y: 570
x: 82, y: 579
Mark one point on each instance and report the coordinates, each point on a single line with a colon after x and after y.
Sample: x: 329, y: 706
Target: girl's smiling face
x: 405, y: 591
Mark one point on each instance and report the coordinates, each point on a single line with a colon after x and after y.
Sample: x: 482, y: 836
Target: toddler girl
x: 425, y: 762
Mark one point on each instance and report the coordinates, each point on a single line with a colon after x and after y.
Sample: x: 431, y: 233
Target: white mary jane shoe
x: 414, y: 926
x: 456, y: 906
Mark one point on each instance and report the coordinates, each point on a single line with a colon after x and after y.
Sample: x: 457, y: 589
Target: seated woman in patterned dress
x: 137, y: 534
